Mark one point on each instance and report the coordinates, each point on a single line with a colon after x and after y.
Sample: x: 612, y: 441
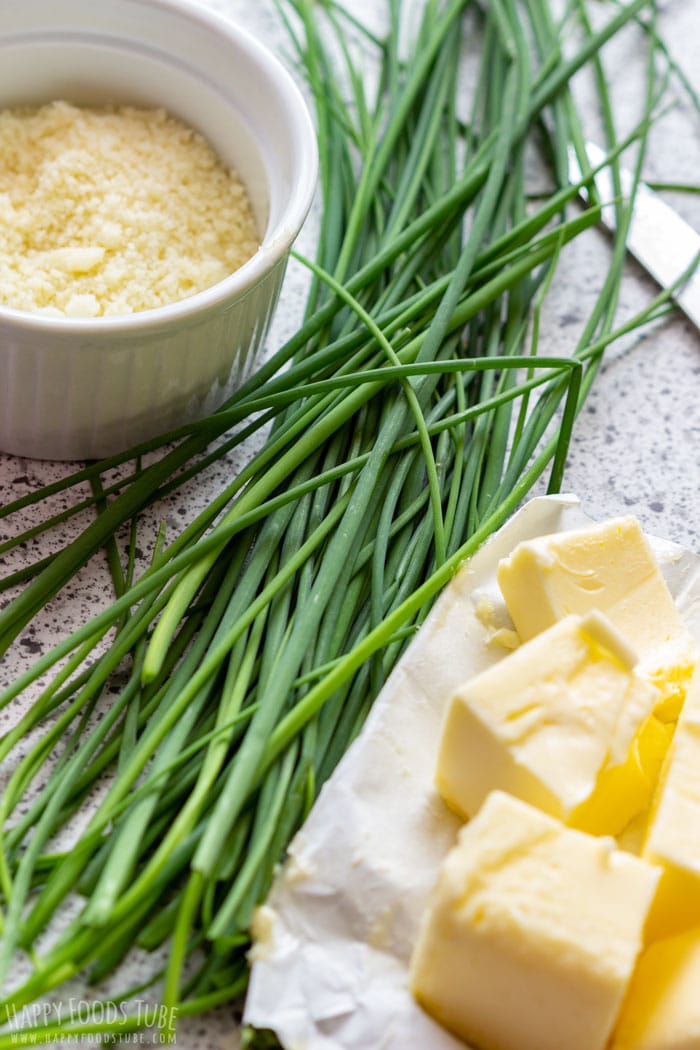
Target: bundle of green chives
x: 406, y: 419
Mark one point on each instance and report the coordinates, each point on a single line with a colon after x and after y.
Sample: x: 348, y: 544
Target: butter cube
x: 627, y: 790
x: 673, y: 838
x: 549, y: 723
x: 662, y: 1007
x: 532, y: 933
x: 609, y: 567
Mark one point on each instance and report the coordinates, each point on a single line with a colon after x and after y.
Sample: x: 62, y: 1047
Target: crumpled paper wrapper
x: 334, y: 940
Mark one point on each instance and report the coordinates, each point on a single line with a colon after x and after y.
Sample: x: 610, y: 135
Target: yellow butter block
x: 626, y: 790
x: 610, y: 567
x: 648, y: 756
x: 532, y: 933
x: 673, y: 838
x: 551, y: 723
x: 662, y: 1008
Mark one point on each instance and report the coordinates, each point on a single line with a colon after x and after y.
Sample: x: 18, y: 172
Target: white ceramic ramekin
x: 84, y: 388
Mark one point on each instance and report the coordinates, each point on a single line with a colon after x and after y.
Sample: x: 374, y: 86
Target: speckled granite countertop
x: 636, y: 447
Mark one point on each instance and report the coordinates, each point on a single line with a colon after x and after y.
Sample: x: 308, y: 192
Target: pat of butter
x: 610, y: 567
x: 673, y: 838
x: 532, y: 932
x: 662, y: 1008
x: 546, y: 723
x: 627, y: 790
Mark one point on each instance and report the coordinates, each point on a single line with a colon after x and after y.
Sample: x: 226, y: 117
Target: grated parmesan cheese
x: 114, y: 210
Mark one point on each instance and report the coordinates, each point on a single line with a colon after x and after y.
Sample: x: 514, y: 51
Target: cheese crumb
x: 113, y: 210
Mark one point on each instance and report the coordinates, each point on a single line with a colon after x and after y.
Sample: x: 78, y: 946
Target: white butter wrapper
x: 330, y: 968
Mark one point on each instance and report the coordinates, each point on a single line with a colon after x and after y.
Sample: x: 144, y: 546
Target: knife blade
x: 663, y: 242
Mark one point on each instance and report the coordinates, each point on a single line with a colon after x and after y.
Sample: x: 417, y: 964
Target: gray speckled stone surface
x: 637, y: 443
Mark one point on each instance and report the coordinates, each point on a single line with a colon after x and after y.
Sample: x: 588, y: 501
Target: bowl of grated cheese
x: 156, y: 165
